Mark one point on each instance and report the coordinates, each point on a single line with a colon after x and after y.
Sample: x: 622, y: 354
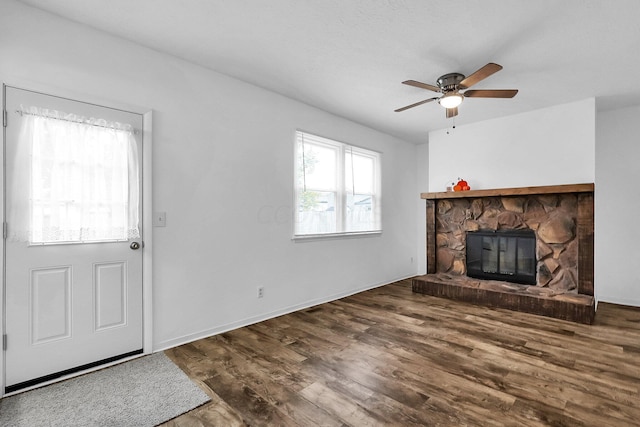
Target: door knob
x: 134, y: 245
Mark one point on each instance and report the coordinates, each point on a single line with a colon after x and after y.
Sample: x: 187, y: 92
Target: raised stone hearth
x: 561, y: 218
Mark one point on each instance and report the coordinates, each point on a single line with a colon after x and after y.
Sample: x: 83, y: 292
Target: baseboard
x: 165, y: 345
x: 633, y: 302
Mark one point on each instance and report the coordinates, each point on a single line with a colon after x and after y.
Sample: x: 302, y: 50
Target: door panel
x: 50, y: 304
x: 110, y: 280
x: 67, y: 304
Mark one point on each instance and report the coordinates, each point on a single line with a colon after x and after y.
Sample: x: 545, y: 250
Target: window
x: 82, y: 180
x: 337, y: 187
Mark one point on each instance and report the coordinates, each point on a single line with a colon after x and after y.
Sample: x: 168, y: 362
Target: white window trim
x: 341, y: 190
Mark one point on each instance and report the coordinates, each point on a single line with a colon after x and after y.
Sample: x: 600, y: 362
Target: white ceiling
x: 349, y: 57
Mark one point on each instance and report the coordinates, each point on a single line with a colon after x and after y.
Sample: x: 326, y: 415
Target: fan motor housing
x: 450, y: 81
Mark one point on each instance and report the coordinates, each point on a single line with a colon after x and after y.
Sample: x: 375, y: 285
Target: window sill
x: 331, y: 236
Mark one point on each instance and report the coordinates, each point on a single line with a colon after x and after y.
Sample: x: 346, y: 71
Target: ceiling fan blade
x: 452, y: 112
x: 415, y: 105
x: 421, y: 85
x: 491, y: 93
x: 481, y: 74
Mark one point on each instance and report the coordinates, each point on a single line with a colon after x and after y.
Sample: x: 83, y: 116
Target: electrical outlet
x: 260, y: 291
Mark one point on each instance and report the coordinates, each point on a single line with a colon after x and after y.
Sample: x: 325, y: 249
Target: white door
x: 73, y: 244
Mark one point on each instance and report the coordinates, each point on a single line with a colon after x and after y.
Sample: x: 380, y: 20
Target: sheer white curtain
x: 75, y: 180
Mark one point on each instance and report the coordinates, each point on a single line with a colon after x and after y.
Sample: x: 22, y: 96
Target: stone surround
x: 562, y: 219
x: 552, y: 218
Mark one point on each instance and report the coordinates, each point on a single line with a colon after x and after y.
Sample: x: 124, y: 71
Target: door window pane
x: 84, y: 179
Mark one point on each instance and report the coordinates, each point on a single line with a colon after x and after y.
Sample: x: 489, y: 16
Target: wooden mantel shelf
x: 547, y: 189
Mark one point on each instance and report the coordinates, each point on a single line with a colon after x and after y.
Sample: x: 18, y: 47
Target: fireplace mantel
x: 446, y: 275
x: 516, y: 191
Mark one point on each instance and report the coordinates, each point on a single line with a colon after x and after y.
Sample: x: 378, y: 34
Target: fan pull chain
x: 454, y: 124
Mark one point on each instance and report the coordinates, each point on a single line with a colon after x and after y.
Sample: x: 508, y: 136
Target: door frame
x: 147, y: 213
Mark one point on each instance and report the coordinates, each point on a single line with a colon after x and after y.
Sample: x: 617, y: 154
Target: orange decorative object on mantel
x: 462, y: 185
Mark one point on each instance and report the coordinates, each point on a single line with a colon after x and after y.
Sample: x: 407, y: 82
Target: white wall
x: 617, y: 202
x: 554, y: 145
x: 422, y: 162
x: 223, y: 172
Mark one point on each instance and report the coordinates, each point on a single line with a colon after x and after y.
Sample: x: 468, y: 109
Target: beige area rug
x: 142, y: 392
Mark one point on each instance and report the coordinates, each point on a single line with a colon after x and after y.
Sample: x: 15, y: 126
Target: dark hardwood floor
x: 391, y: 357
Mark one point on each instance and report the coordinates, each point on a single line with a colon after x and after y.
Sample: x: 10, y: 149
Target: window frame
x: 343, y: 150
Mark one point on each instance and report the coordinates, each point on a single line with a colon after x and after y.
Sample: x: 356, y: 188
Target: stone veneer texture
x: 552, y: 218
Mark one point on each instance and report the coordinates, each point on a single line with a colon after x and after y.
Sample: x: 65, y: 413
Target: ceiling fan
x: 452, y: 86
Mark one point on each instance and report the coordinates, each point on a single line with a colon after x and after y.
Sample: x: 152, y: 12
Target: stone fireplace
x: 560, y: 218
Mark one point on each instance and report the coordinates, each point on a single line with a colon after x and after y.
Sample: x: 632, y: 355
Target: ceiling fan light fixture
x: 451, y: 100
x: 450, y: 85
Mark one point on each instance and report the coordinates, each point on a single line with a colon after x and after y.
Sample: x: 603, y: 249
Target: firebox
x: 508, y: 255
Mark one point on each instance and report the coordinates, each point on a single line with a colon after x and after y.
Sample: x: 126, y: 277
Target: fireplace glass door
x: 507, y: 255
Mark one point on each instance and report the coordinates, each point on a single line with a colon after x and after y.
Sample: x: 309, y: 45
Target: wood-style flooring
x: 391, y: 357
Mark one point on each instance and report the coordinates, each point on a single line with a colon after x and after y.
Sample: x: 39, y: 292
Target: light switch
x: 159, y: 219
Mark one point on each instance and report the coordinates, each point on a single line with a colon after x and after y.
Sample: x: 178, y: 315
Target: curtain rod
x: 135, y: 131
